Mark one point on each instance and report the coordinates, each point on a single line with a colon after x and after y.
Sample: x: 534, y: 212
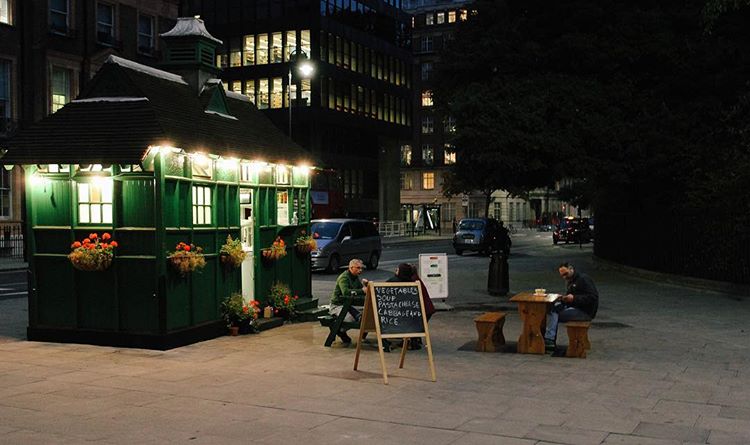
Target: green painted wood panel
x: 51, y: 200
x: 136, y: 286
x: 135, y: 242
x: 137, y: 202
x: 52, y: 241
x: 96, y: 298
x: 170, y: 204
x: 204, y: 296
x: 54, y: 294
x: 221, y: 206
x: 178, y: 300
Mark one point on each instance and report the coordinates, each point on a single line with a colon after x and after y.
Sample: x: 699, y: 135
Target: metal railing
x: 11, y: 240
x: 391, y: 228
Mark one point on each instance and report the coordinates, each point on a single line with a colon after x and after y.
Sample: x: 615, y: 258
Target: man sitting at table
x: 348, y: 285
x: 579, y: 303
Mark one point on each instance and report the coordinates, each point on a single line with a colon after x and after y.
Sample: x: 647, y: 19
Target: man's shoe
x: 345, y: 338
x: 549, y: 345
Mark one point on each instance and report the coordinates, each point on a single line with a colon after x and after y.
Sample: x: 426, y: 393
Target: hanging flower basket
x: 231, y: 253
x: 275, y: 252
x: 305, y: 244
x: 93, y: 254
x: 186, y: 258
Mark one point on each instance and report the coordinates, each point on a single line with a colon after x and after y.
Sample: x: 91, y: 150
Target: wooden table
x: 533, y: 311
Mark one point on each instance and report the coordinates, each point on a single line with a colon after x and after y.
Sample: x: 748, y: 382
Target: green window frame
x: 95, y: 201
x: 202, y: 205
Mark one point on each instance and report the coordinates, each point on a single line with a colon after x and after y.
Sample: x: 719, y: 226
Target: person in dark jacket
x: 580, y: 303
x: 348, y: 285
x: 407, y: 273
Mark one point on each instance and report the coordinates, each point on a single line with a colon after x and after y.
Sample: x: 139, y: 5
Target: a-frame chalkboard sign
x: 395, y: 310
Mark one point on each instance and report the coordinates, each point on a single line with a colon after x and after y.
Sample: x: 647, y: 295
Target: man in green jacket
x: 348, y: 285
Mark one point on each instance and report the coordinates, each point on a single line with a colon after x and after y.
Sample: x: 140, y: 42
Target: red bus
x: 327, y: 194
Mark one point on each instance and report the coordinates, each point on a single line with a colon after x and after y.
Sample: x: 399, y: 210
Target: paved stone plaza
x: 669, y: 365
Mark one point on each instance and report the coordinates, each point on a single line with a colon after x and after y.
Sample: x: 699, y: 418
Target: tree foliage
x: 633, y: 98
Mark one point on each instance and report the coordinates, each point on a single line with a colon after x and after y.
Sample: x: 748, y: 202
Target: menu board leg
x: 429, y: 353
x: 404, y: 347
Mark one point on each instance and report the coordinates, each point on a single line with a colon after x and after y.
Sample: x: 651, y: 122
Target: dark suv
x: 572, y: 229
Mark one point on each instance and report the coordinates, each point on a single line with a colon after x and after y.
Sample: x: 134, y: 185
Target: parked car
x: 572, y: 229
x: 341, y: 240
x: 475, y: 234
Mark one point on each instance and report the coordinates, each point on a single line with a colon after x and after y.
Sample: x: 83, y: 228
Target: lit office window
x: 95, y: 201
x: 250, y: 90
x: 429, y: 19
x: 450, y: 124
x: 5, y: 15
x: 449, y: 154
x: 145, y: 34
x: 60, y: 87
x: 277, y: 92
x: 235, y: 52
x: 306, y: 92
x: 276, y: 48
x: 428, y: 181
x: 236, y: 86
x: 291, y: 44
x: 105, y: 23
x: 263, y: 96
x: 201, y: 205
x: 261, y: 50
x: 440, y: 18
x: 406, y: 181
x: 427, y: 98
x: 428, y: 154
x: 58, y: 16
x: 463, y: 15
x: 249, y: 50
x: 406, y: 155
x: 451, y: 16
x: 304, y: 43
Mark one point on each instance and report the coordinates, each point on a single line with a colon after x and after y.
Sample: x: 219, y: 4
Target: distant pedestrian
x: 580, y: 303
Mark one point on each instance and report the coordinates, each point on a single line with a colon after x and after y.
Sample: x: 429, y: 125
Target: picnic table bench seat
x: 336, y: 323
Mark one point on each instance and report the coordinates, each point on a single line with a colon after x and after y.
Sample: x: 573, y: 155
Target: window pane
x: 60, y: 87
x: 107, y: 191
x: 195, y: 215
x: 207, y: 218
x: 249, y: 50
x: 107, y: 213
x: 276, y: 52
x: 207, y: 196
x: 83, y: 193
x: 263, y: 94
x: 96, y: 213
x: 305, y: 42
x: 83, y: 213
x: 198, y: 196
x: 261, y: 51
x: 200, y: 214
x: 276, y: 92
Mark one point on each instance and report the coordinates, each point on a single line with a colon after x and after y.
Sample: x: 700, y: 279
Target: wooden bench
x: 490, y: 330
x: 336, y: 323
x: 578, y: 338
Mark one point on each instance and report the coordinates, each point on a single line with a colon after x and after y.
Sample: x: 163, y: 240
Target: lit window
x: 145, y: 34
x: 236, y: 86
x: 261, y: 51
x: 5, y: 15
x: 95, y: 201
x: 440, y: 18
x: 221, y: 60
x: 202, y: 166
x: 60, y: 87
x: 406, y: 181
x: 451, y: 16
x: 426, y: 44
x: 429, y: 19
x: 304, y: 43
x: 201, y: 205
x: 276, y: 48
x: 277, y: 93
x: 406, y: 155
x: 428, y: 181
x: 282, y: 208
x: 428, y: 154
x: 249, y: 50
x: 291, y: 44
x: 463, y: 15
x: 235, y: 52
x: 427, y: 98
x: 282, y: 174
x: 306, y: 92
x: 250, y: 89
x: 263, y: 94
x: 428, y: 125
x: 5, y: 195
x: 58, y: 16
x: 449, y: 156
x: 105, y: 24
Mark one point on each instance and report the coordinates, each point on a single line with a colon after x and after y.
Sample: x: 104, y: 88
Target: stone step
x: 306, y: 303
x: 312, y: 314
x: 265, y: 324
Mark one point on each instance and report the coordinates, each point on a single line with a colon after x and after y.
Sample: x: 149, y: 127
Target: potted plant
x: 231, y: 254
x: 304, y: 244
x: 276, y: 251
x: 93, y: 253
x: 187, y: 258
x: 283, y: 302
x: 238, y: 315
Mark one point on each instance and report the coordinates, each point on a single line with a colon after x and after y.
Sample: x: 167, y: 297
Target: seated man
x: 348, y: 285
x: 579, y: 304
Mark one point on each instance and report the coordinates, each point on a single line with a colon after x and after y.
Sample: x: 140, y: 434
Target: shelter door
x: 246, y: 236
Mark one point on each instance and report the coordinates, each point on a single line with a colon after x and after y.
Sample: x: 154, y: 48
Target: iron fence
x: 11, y: 241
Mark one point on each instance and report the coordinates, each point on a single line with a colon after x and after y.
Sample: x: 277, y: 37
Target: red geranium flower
x: 186, y: 248
x: 93, y: 236
x: 113, y: 244
x: 86, y: 241
x: 76, y: 245
x: 106, y: 236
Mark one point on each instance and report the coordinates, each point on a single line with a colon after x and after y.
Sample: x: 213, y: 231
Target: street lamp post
x: 297, y: 60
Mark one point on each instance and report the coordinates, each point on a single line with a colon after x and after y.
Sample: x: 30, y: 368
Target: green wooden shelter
x: 156, y: 158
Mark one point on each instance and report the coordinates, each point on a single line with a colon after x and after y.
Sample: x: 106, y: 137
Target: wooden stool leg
x: 576, y: 342
x: 485, y: 334
x: 499, y: 338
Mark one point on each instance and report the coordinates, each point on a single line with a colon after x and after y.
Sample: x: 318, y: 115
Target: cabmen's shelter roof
x: 128, y: 107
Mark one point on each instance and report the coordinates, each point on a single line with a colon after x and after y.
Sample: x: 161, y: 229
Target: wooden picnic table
x: 533, y: 311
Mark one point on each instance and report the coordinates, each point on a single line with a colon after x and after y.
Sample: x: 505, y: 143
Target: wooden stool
x: 490, y: 330
x: 578, y: 338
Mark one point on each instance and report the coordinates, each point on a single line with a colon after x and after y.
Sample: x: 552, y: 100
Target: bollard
x: 497, y: 278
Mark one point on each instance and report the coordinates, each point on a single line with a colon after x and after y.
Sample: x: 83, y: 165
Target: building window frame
x: 428, y: 180
x: 61, y: 88
x: 6, y: 12
x: 428, y: 125
x: 426, y: 44
x: 427, y: 98
x: 106, y: 23
x: 59, y: 19
x: 146, y: 41
x: 6, y: 194
x: 406, y: 154
x: 6, y: 93
x: 202, y: 205
x: 94, y: 200
x: 428, y: 154
x: 449, y: 154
